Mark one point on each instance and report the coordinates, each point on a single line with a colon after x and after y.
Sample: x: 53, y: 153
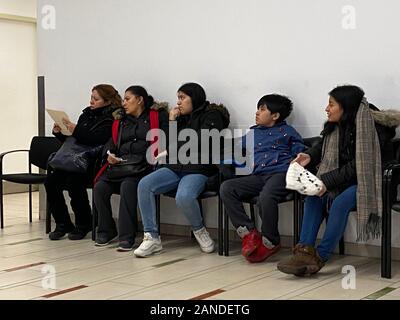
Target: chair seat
x: 25, y: 178
x: 254, y: 200
x: 206, y: 194
x: 396, y: 206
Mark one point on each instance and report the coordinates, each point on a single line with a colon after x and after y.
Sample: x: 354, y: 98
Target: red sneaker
x: 250, y: 242
x: 262, y: 253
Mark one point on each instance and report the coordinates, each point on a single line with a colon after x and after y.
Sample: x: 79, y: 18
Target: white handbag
x: 302, y: 180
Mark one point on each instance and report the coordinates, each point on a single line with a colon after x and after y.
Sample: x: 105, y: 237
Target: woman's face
x: 184, y: 103
x: 96, y: 101
x: 132, y: 104
x: 334, y: 110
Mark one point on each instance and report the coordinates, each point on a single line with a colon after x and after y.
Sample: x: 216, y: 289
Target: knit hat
x: 302, y: 180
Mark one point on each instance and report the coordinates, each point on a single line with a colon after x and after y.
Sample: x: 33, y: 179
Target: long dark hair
x: 195, y: 92
x: 139, y: 91
x: 349, y: 98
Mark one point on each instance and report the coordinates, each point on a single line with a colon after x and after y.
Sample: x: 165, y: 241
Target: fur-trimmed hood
x: 119, y: 113
x: 388, y: 118
x: 222, y: 109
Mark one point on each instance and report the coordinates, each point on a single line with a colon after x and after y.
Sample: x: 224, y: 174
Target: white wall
x: 18, y: 65
x: 19, y: 7
x: 239, y: 51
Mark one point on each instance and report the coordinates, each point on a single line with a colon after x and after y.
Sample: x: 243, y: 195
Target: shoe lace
x: 204, y: 236
x: 147, y: 236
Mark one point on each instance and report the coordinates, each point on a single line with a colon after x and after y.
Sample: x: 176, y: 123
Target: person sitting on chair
x: 93, y: 129
x: 193, y: 112
x: 275, y: 145
x: 354, y: 147
x: 135, y: 121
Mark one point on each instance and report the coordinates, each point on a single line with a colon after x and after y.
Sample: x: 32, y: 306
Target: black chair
x: 311, y: 142
x: 208, y: 193
x: 390, y: 181
x: 291, y: 196
x: 40, y: 150
x: 391, y: 202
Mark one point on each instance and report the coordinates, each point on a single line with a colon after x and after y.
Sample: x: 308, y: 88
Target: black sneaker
x: 59, y: 233
x: 125, y: 246
x: 104, y: 240
x: 78, y: 233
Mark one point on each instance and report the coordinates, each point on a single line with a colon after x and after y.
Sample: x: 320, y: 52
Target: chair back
x: 40, y: 150
x: 312, y: 141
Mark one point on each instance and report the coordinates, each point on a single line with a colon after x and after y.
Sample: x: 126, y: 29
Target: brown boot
x: 305, y: 261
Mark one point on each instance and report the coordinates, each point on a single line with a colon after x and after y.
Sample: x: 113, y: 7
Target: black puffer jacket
x: 93, y: 127
x: 338, y: 180
x: 208, y: 116
x: 132, y: 133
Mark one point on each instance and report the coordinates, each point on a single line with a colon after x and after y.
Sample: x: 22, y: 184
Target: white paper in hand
x: 302, y: 180
x: 57, y: 117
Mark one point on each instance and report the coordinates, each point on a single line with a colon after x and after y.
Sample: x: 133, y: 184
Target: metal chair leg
x: 1, y: 204
x: 158, y: 219
x: 386, y: 249
x: 226, y: 233
x: 220, y: 228
x: 94, y: 218
x: 341, y: 246
x: 48, y: 218
x: 295, y: 218
x: 30, y: 203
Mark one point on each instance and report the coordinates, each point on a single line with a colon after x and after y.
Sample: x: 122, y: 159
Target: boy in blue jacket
x: 276, y: 144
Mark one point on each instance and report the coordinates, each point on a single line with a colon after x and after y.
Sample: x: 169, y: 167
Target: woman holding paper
x: 355, y: 143
x: 92, y: 129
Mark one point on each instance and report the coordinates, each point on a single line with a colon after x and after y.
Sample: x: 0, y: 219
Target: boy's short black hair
x: 277, y: 103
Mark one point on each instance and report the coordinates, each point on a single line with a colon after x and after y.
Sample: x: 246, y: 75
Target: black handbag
x: 134, y: 166
x: 73, y: 156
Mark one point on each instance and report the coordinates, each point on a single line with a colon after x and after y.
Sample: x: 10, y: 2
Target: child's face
x: 264, y: 117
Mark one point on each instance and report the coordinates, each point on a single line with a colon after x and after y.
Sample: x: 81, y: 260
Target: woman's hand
x: 174, y: 113
x: 323, y: 191
x: 56, y: 128
x: 112, y: 159
x: 302, y: 159
x: 70, y: 126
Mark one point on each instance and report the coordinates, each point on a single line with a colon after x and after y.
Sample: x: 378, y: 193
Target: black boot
x: 60, y: 231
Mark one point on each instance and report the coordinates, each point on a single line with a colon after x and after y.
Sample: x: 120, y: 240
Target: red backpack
x: 115, y: 131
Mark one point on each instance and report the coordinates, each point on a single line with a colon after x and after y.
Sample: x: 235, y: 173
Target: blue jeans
x: 189, y: 187
x: 314, y: 209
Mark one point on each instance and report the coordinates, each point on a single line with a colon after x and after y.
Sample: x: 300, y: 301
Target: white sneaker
x: 203, y: 238
x: 148, y: 246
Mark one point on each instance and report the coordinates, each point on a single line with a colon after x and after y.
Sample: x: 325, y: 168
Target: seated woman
x: 192, y: 112
x: 134, y: 124
x: 349, y: 158
x: 93, y: 129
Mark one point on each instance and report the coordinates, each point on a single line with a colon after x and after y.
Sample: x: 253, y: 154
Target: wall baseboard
x: 10, y: 187
x: 354, y: 249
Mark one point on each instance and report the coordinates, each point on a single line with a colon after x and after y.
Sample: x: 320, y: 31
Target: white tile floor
x: 27, y: 259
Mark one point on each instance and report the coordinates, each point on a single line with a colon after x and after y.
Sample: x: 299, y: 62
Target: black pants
x: 270, y: 189
x: 57, y: 181
x: 127, y: 218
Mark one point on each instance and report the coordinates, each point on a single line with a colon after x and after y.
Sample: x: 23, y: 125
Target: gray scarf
x: 369, y: 171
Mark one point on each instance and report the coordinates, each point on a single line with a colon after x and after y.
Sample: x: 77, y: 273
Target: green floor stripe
x: 380, y: 293
x: 168, y: 263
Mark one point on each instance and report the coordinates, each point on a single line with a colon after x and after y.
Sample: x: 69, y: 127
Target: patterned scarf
x: 368, y: 168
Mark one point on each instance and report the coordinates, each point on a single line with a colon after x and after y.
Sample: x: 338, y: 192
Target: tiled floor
x: 33, y: 267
